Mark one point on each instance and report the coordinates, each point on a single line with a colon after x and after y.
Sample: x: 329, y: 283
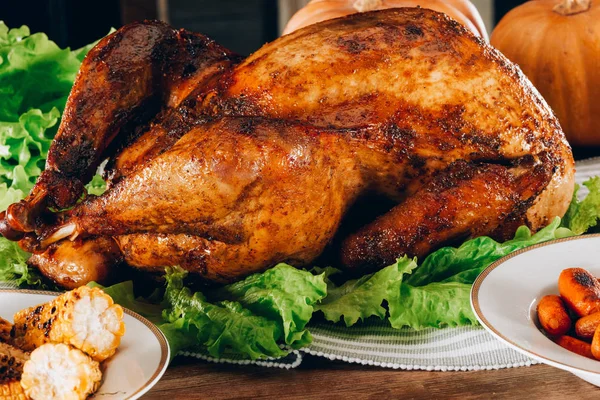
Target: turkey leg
x: 75, y: 263
x: 122, y: 83
x: 240, y: 181
x: 465, y: 200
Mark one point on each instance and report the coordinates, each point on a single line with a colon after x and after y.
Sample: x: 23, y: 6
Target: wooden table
x: 319, y: 378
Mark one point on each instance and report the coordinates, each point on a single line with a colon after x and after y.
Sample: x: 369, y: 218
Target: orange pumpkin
x: 320, y: 10
x: 557, y: 45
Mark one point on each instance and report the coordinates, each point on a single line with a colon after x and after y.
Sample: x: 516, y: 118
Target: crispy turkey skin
x: 227, y: 166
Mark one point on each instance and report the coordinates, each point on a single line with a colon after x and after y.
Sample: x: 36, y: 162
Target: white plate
x: 504, y: 298
x: 139, y: 363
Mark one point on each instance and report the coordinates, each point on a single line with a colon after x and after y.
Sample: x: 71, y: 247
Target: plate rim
x: 165, y: 350
x: 490, y: 328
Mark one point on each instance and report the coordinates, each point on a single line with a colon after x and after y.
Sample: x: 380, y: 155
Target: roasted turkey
x: 227, y: 166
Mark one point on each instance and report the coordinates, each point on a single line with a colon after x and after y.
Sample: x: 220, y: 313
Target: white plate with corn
x: 74, y: 346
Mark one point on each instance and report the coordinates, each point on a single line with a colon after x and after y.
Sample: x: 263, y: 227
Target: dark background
x: 241, y: 25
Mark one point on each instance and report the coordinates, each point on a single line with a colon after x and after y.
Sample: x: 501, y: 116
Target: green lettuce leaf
x: 34, y: 72
x: 216, y: 327
x: 24, y: 146
x: 9, y: 195
x: 252, y: 318
x: 436, y: 305
x: 97, y: 186
x: 363, y: 298
x: 14, y: 268
x: 434, y: 294
x: 282, y: 293
x: 465, y: 263
x: 583, y: 215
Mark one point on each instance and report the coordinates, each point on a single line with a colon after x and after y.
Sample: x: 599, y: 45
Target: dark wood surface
x: 319, y: 378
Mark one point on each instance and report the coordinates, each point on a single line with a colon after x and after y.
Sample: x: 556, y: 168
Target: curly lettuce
x: 284, y: 294
x: 433, y: 294
x: 14, y: 268
x: 363, y: 298
x: 36, y: 77
x: 583, y: 215
x: 253, y: 318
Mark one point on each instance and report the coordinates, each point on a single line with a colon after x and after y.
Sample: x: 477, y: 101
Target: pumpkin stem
x: 570, y: 7
x: 367, y: 5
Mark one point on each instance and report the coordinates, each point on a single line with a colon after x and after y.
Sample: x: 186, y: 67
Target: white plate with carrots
x: 141, y: 357
x: 507, y: 296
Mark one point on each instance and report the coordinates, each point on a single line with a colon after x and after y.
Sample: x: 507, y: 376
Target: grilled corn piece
x: 59, y: 371
x: 12, y: 361
x: 12, y: 391
x: 5, y: 328
x: 85, y: 318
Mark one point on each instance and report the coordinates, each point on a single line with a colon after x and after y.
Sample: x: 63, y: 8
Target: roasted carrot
x: 586, y: 327
x: 580, y: 290
x: 553, y: 315
x: 596, y: 344
x: 575, y: 345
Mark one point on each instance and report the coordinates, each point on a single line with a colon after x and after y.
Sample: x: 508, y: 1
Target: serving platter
x: 140, y: 361
x: 505, y: 297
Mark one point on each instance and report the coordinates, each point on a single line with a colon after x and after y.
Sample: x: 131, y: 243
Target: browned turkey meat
x: 227, y: 166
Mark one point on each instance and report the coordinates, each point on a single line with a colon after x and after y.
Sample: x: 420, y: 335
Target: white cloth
x: 374, y: 342
x: 451, y: 349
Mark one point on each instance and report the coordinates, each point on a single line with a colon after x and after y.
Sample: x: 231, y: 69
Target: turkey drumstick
x: 123, y: 82
x: 465, y: 200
